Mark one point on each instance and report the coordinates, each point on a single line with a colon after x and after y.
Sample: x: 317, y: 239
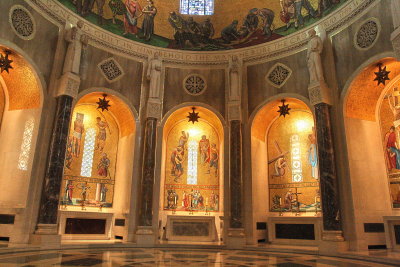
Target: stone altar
x: 191, y: 228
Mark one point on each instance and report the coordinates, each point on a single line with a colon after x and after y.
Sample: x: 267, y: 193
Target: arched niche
x: 192, y: 166
x: 99, y: 160
x: 21, y: 102
x: 367, y: 122
x: 284, y: 161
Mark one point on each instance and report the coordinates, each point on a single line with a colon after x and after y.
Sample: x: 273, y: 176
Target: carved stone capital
x: 335, y: 236
x: 69, y: 85
x: 234, y: 111
x: 319, y: 93
x: 154, y: 108
x: 395, y: 38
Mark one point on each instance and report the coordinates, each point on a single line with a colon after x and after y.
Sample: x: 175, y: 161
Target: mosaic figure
x: 230, y: 33
x: 69, y: 189
x: 393, y: 151
x: 149, y: 11
x: 267, y: 17
x: 101, y: 134
x: 204, y: 146
x: 103, y: 193
x: 180, y: 29
x: 84, y: 191
x: 214, y: 157
x: 313, y: 155
x: 79, y: 129
x: 103, y: 166
x: 132, y: 14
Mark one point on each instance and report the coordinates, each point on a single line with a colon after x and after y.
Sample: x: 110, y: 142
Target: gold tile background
x: 111, y: 147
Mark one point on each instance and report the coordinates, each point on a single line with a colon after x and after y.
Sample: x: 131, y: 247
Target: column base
x: 395, y: 38
x: 46, y: 241
x: 332, y: 243
x: 145, y: 236
x: 333, y: 236
x: 236, y: 238
x: 46, y: 235
x: 47, y: 229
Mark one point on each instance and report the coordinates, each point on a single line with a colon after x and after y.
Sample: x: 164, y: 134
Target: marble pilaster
x: 149, y: 153
x: 327, y: 169
x: 395, y: 38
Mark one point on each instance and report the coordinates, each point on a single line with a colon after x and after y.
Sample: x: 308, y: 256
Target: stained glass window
x: 26, y: 144
x: 88, y: 152
x: 197, y: 7
x: 193, y: 148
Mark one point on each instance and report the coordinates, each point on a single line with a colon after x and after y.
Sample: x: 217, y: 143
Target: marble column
x: 236, y: 180
x: 327, y: 169
x: 48, y: 210
x: 149, y: 154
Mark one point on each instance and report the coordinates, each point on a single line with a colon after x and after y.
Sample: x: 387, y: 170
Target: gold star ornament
x: 193, y: 116
x: 284, y: 109
x: 103, y: 103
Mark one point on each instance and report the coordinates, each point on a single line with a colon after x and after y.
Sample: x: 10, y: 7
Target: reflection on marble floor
x: 172, y: 257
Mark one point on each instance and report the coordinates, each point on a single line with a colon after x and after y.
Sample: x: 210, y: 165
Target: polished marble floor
x: 173, y: 257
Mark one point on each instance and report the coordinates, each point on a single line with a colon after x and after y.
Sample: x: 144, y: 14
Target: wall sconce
x: 5, y: 62
x: 382, y: 75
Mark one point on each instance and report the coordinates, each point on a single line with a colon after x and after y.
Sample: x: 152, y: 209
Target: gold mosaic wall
x: 224, y: 13
x: 364, y: 92
x: 391, y: 142
x: 291, y: 152
x: 101, y: 126
x: 192, y: 148
x: 22, y: 86
x: 2, y: 103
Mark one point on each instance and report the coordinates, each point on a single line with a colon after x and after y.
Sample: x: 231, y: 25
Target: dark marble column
x: 236, y: 181
x: 55, y: 166
x: 149, y: 154
x: 327, y: 169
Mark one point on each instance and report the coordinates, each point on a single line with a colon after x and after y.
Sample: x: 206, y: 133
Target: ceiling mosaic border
x: 274, y: 49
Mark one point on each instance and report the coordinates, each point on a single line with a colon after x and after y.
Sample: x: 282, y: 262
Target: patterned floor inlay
x: 102, y: 257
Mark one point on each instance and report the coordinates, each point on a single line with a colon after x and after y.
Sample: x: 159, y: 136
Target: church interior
x: 203, y: 132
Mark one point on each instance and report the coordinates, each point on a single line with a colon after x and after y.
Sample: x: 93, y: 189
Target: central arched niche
x: 192, y: 166
x: 98, y: 166
x: 284, y: 161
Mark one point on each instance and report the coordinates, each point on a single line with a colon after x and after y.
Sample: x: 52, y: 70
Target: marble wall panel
x: 259, y: 89
x: 214, y: 95
x: 128, y: 85
x: 347, y: 57
x: 38, y: 48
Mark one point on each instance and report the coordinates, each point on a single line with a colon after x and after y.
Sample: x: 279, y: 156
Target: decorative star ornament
x: 284, y: 109
x: 382, y: 75
x: 193, y: 116
x: 5, y: 62
x: 103, y: 103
